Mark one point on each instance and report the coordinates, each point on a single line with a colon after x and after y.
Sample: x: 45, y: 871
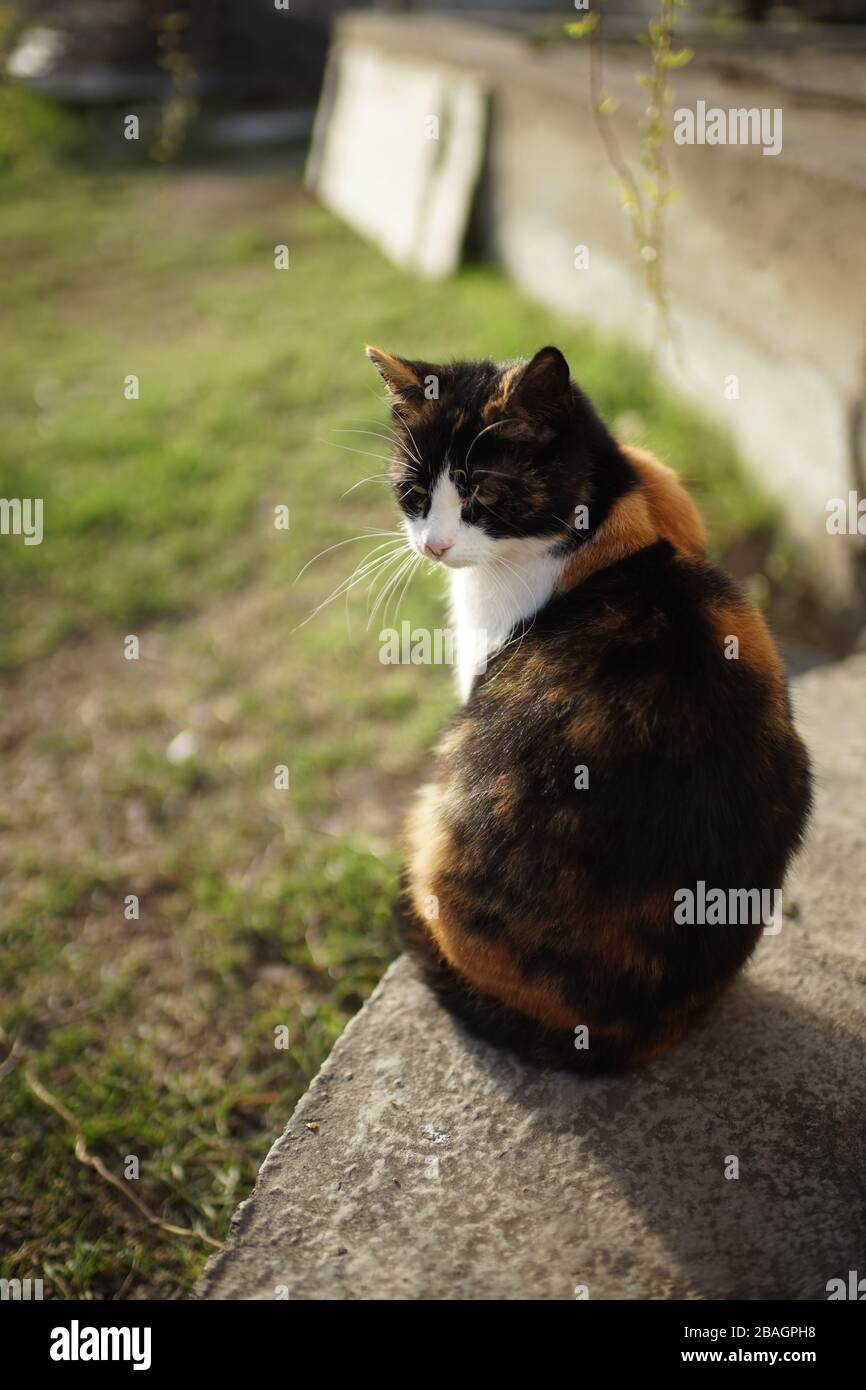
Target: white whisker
x: 509, y: 420
x: 386, y: 590
x: 412, y: 437
x: 364, y: 536
x: 347, y: 448
x: 373, y: 478
x: 392, y: 439
x: 413, y: 570
x: 360, y: 573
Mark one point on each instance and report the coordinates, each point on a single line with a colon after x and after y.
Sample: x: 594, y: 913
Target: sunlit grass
x: 259, y: 909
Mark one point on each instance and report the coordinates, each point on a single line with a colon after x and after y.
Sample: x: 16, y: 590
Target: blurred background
x: 186, y: 296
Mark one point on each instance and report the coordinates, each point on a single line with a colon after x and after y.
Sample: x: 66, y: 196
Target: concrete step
x: 441, y: 1168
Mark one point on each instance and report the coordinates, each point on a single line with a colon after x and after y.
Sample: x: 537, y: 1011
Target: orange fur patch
x: 628, y: 527
x: 757, y: 649
x: 494, y: 971
x: 673, y: 512
x: 660, y: 507
x: 755, y: 642
x: 496, y: 404
x: 487, y: 965
x: 491, y: 966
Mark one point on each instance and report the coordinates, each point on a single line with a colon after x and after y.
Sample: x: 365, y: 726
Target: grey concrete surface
x: 441, y: 1168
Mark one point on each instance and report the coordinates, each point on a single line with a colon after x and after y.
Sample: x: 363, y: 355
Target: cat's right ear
x: 402, y: 378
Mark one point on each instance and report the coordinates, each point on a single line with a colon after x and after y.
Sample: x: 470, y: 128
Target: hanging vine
x: 646, y: 191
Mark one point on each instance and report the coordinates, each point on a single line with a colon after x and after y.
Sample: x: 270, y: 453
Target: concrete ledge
x: 444, y: 1169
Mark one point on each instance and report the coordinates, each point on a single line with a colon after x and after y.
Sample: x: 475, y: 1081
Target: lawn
x: 263, y: 913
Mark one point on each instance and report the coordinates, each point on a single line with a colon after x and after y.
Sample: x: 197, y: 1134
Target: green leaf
x: 582, y: 27
x: 677, y: 59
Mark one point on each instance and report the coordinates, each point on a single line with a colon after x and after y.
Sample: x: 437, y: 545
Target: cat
x: 625, y: 733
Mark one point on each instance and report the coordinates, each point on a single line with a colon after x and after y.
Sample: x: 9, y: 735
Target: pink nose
x: 437, y: 548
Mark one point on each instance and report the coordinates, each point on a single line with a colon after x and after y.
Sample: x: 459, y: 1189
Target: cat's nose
x: 436, y: 549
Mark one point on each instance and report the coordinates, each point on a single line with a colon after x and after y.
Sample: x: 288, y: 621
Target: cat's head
x: 488, y: 459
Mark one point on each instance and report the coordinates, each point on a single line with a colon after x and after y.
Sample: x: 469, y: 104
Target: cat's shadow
x: 765, y: 1088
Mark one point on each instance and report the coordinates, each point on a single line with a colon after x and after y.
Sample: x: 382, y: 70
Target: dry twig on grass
x: 81, y: 1153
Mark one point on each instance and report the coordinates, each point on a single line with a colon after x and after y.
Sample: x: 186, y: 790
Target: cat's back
x: 644, y: 714
x: 657, y: 640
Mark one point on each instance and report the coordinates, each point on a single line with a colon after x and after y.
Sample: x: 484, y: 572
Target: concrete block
x: 397, y: 153
x: 441, y: 1168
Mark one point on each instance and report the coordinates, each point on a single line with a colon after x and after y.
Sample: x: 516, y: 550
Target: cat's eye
x: 418, y: 490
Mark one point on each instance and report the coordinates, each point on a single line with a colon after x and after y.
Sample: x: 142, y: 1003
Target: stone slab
x: 397, y: 152
x: 442, y: 1168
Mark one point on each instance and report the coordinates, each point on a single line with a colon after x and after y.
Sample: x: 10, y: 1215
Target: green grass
x: 245, y: 374
x: 259, y: 908
x: 196, y: 1122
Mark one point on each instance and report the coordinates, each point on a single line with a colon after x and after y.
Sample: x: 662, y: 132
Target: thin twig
x: 10, y: 1062
x: 83, y: 1156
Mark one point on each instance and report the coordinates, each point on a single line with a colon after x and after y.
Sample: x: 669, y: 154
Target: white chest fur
x: 489, y: 601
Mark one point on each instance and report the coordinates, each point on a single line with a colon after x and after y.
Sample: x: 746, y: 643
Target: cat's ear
x: 403, y: 379
x: 543, y: 385
x: 531, y: 396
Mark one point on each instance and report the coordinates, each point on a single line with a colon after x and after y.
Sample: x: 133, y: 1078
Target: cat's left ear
x: 403, y: 379
x: 532, y: 397
x: 544, y: 384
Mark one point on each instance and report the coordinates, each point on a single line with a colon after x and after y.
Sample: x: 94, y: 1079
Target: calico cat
x: 625, y: 733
